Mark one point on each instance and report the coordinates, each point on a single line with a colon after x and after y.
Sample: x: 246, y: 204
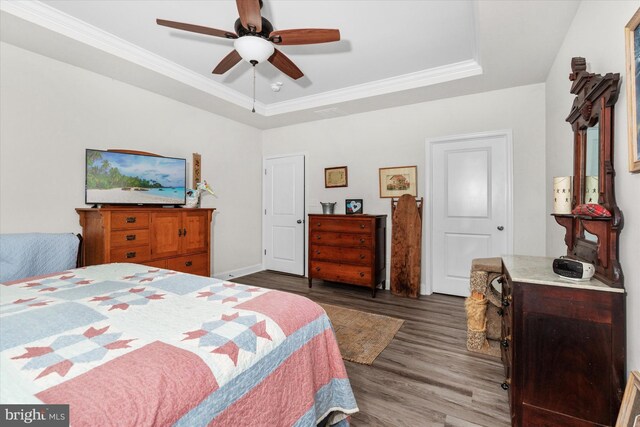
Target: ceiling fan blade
x: 304, y: 36
x: 284, y: 64
x: 227, y: 62
x: 197, y: 29
x: 249, y: 11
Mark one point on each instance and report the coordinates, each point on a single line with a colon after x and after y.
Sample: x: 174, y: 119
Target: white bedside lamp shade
x: 253, y: 48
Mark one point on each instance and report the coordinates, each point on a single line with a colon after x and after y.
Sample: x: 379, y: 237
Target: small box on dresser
x: 177, y: 239
x: 348, y: 249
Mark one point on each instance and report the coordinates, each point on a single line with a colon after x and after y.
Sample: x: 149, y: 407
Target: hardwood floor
x: 426, y: 376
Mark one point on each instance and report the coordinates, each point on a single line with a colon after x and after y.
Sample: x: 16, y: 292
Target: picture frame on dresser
x: 353, y: 206
x: 632, y: 39
x: 398, y: 180
x: 629, y: 415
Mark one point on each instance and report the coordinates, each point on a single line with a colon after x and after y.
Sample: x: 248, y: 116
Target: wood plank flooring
x: 426, y: 376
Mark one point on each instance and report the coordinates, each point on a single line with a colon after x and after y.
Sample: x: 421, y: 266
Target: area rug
x: 361, y: 336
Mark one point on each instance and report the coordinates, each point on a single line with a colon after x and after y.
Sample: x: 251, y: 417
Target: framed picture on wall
x: 335, y: 177
x: 396, y: 181
x: 353, y: 206
x: 632, y: 37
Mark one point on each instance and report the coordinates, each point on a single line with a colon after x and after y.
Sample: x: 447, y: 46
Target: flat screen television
x: 116, y: 178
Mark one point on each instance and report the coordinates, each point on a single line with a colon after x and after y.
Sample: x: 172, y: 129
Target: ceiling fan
x: 255, y: 39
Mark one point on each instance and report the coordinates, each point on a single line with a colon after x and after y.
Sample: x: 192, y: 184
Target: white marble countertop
x: 536, y: 269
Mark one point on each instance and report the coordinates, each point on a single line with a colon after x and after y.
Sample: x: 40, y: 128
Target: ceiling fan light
x: 253, y: 48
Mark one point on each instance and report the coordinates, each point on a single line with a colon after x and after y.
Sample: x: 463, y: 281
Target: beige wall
x: 397, y: 137
x: 597, y: 34
x: 51, y: 111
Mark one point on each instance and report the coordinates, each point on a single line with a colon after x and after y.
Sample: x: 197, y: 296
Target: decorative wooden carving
x: 594, y: 103
x: 406, y: 246
x: 197, y: 177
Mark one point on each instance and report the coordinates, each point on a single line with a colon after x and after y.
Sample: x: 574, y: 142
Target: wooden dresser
x: 177, y: 239
x: 348, y: 249
x: 563, y: 346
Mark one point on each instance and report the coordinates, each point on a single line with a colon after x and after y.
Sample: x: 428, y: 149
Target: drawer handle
x: 505, y: 384
x: 179, y: 232
x: 361, y: 274
x: 361, y: 225
x: 131, y: 219
x: 317, y: 268
x: 188, y: 264
x: 361, y: 240
x: 362, y: 256
x: 318, y: 225
x: 184, y: 231
x: 131, y: 254
x: 505, y: 342
x: 131, y: 237
x: 318, y: 237
x: 317, y: 252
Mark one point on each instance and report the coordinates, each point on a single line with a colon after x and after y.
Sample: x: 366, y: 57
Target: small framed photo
x: 335, y: 177
x: 396, y: 181
x: 632, y: 36
x: 353, y: 206
x: 629, y: 415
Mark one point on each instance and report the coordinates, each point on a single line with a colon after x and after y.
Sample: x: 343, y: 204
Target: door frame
x: 427, y: 287
x: 304, y: 209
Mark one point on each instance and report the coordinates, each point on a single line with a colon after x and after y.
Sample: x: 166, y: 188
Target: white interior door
x: 284, y: 214
x: 470, y: 206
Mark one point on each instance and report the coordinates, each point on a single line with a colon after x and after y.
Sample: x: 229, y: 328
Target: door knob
x: 299, y: 221
x: 500, y: 228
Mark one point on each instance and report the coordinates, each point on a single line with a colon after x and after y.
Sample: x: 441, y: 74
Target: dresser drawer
x: 340, y: 239
x: 339, y: 254
x: 133, y: 254
x: 193, y: 264
x: 157, y: 264
x: 357, y: 275
x: 128, y: 238
x: 120, y: 220
x: 345, y: 225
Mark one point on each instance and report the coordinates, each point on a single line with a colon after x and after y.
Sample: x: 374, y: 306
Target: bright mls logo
x: 34, y: 415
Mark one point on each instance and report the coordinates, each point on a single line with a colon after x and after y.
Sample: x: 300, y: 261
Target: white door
x: 470, y: 206
x: 284, y: 214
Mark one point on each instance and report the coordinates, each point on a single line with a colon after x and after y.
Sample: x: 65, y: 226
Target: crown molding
x: 53, y: 19
x: 418, y: 79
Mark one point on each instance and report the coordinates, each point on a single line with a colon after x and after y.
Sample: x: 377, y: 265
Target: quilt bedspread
x: 126, y: 344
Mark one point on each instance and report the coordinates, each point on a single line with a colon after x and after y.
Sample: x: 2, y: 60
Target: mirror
x: 591, y: 165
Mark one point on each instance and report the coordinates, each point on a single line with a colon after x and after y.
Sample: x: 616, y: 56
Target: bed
x: 126, y: 344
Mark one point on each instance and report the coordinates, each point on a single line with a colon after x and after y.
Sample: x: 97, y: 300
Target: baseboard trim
x: 234, y: 274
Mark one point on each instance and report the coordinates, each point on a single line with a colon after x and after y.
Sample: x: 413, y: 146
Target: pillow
x: 591, y: 209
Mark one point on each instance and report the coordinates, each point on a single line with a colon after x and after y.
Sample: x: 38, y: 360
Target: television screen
x: 134, y: 179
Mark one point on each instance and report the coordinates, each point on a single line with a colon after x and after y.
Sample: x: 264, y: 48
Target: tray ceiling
x: 391, y: 52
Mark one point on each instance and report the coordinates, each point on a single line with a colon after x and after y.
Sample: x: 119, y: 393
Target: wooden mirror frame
x: 594, y: 103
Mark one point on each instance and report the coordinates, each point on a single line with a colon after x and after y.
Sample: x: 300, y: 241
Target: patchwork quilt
x: 126, y: 344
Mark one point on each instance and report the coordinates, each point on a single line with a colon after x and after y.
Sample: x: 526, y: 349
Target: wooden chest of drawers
x: 177, y: 239
x: 563, y: 347
x: 348, y: 249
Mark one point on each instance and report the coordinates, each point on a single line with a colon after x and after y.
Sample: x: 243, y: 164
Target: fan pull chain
x: 253, y: 109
